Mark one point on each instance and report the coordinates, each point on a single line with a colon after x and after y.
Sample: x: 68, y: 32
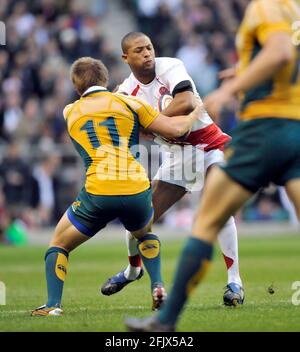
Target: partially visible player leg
x: 228, y: 242
x: 164, y: 196
x: 65, y: 239
x: 212, y: 215
x: 209, y: 220
x: 288, y: 206
x: 138, y: 218
x: 148, y: 245
x: 293, y: 190
x: 134, y: 268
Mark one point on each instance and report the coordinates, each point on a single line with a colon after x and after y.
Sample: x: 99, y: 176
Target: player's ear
x: 124, y: 58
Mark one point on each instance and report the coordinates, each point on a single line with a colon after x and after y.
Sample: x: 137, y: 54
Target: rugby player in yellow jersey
x: 104, y: 127
x: 265, y: 146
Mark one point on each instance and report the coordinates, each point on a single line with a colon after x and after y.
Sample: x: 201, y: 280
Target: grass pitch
x: 263, y: 262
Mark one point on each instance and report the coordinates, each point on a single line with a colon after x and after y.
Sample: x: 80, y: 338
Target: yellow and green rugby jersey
x: 280, y: 95
x: 104, y: 126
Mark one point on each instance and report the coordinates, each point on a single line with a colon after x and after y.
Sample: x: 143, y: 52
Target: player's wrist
x: 230, y: 88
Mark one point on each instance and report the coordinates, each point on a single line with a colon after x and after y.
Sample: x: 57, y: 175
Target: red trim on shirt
x: 135, y: 91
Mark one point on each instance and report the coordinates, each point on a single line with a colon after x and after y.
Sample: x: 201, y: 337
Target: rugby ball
x: 164, y: 101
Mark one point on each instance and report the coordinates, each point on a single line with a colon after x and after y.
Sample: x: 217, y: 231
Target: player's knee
x: 142, y: 232
x: 58, y: 242
x: 206, y: 229
x: 62, y: 241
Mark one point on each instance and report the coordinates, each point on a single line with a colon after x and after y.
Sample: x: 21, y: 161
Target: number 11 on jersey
x: 94, y: 139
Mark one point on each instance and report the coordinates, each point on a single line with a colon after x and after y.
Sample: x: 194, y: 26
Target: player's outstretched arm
x: 277, y: 51
x: 175, y: 126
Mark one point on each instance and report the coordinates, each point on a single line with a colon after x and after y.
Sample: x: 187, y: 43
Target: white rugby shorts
x: 187, y: 166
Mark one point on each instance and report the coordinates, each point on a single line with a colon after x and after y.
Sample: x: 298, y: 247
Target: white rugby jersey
x: 169, y: 73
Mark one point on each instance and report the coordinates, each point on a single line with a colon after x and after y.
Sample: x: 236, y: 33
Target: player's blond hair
x: 86, y: 72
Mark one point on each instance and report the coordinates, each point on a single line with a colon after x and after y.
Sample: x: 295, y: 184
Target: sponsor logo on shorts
x: 228, y: 153
x: 75, y: 205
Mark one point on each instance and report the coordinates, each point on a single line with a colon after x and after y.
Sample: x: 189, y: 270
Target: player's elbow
x: 282, y: 53
x: 285, y: 57
x: 281, y: 59
x: 279, y: 49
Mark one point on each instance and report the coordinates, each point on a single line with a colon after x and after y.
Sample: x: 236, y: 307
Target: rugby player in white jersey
x: 153, y: 79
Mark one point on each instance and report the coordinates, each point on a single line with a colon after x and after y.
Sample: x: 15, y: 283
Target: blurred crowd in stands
x: 39, y: 170
x: 39, y: 173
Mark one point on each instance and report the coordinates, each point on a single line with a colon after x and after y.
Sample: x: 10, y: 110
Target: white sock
x: 229, y: 246
x: 288, y: 205
x: 132, y: 272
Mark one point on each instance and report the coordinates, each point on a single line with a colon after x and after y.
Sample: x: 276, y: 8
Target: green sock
x: 56, y: 269
x: 149, y: 249
x: 192, y: 267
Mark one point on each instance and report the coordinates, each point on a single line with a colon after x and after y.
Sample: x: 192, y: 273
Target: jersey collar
x: 143, y: 84
x: 94, y: 89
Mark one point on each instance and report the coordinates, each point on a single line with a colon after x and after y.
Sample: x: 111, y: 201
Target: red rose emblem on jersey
x: 163, y: 90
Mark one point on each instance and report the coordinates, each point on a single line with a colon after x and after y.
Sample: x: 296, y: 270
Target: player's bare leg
x: 228, y: 242
x: 164, y: 196
x: 214, y: 211
x: 210, y: 218
x: 66, y: 238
